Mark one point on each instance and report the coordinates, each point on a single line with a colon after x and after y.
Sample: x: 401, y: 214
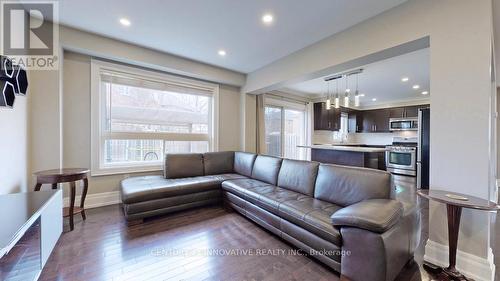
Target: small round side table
x: 454, y: 204
x: 70, y: 175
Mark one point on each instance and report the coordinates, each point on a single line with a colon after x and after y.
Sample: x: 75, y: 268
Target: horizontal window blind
x: 144, y: 82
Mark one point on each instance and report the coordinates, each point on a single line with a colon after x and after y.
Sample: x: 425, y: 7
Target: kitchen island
x: 359, y: 155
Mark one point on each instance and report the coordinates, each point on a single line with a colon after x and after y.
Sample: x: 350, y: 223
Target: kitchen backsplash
x: 320, y: 137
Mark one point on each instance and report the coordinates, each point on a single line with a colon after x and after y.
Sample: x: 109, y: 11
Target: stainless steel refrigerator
x: 423, y: 148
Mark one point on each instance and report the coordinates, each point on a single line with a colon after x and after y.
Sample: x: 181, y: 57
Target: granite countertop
x: 345, y: 147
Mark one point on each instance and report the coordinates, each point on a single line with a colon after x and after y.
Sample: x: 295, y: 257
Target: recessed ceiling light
x: 267, y: 18
x: 361, y: 95
x: 125, y: 22
x: 374, y: 99
x: 416, y: 87
x: 425, y: 93
x: 221, y: 53
x: 405, y: 79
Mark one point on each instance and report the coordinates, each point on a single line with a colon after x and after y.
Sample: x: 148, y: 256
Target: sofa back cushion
x: 243, y: 163
x: 183, y: 165
x: 345, y: 186
x: 266, y: 169
x: 298, y: 176
x: 218, y: 162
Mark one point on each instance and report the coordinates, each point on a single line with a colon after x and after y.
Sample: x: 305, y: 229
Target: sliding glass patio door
x: 273, y: 125
x: 284, y: 131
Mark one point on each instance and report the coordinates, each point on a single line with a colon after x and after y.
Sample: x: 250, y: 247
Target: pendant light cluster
x: 347, y: 92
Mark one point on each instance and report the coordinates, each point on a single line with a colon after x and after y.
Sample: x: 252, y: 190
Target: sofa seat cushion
x: 240, y: 186
x: 229, y: 176
x: 270, y: 197
x: 302, y: 210
x: 140, y: 189
x: 312, y: 215
x: 260, y: 193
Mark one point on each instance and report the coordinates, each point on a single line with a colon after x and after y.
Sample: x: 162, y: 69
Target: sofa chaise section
x: 188, y: 181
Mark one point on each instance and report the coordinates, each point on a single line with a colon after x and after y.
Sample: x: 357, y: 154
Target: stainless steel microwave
x: 403, y: 124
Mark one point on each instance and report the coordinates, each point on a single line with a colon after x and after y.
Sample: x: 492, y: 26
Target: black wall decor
x: 13, y: 81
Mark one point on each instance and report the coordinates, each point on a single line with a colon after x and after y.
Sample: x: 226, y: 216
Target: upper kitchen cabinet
x: 375, y: 121
x: 320, y: 116
x: 411, y: 111
x: 396, y: 112
x: 325, y: 119
x: 406, y: 112
x: 355, y: 121
x: 381, y: 120
x: 361, y: 121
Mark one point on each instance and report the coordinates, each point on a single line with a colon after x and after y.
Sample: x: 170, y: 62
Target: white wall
x: 460, y: 33
x: 14, y: 146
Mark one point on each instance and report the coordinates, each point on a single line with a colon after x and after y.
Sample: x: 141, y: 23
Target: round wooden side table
x: 454, y: 204
x: 70, y: 175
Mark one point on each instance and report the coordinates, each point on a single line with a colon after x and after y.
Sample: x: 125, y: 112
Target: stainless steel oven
x: 401, y: 159
x: 403, y: 124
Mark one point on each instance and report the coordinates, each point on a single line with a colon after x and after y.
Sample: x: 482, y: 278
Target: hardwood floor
x: 168, y: 248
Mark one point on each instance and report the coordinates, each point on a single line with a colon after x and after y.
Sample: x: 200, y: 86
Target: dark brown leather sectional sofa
x: 342, y: 216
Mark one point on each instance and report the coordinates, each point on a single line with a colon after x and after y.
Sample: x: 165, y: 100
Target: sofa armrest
x: 377, y: 215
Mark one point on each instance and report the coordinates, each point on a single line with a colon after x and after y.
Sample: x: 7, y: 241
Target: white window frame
x: 98, y: 135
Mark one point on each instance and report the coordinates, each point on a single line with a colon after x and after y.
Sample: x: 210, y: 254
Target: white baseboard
x: 96, y: 200
x: 480, y: 269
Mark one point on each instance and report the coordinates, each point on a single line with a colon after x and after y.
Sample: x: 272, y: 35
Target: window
x: 294, y: 134
x: 341, y: 135
x: 273, y: 130
x: 139, y: 115
x: 284, y: 129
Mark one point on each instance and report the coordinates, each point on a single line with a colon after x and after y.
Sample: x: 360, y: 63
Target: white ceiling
x: 380, y: 80
x: 197, y: 29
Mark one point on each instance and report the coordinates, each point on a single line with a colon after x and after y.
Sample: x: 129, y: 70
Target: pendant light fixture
x: 336, y: 96
x: 356, y: 94
x: 346, y: 95
x: 337, y: 99
x: 328, y: 97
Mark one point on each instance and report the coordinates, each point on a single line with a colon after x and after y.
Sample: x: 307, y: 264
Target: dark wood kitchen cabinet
x: 396, y: 112
x: 355, y: 121
x: 325, y: 119
x: 411, y: 111
x: 375, y: 121
x: 381, y: 120
x: 319, y: 117
x: 406, y: 111
x: 361, y: 121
